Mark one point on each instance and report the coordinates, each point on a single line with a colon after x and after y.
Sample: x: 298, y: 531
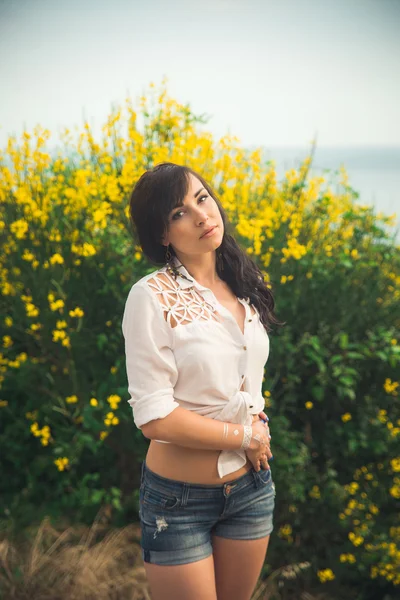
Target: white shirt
x: 184, y: 348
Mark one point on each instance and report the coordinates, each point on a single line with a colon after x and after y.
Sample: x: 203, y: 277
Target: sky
x: 273, y: 73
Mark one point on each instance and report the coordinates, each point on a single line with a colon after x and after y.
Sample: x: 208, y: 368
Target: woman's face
x: 189, y: 222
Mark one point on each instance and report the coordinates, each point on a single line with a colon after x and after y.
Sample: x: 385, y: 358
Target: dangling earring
x: 168, y: 255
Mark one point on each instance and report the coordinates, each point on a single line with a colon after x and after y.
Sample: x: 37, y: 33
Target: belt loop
x: 142, y: 471
x: 185, y: 494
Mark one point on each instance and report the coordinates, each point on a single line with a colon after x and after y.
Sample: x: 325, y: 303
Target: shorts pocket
x: 265, y: 476
x: 153, y: 498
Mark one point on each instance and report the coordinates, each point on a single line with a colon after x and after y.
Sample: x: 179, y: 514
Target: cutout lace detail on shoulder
x: 180, y: 306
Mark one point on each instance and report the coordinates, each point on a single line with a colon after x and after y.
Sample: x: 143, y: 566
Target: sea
x: 373, y: 172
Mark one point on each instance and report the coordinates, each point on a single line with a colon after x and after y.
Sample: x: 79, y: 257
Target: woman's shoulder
x: 155, y: 281
x: 156, y: 289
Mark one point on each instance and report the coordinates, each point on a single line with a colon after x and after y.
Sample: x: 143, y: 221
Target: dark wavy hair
x: 163, y: 188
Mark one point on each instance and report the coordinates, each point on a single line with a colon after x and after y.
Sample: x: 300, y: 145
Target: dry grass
x: 275, y: 586
x: 79, y: 563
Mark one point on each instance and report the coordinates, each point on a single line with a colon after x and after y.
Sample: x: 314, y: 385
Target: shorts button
x: 228, y: 489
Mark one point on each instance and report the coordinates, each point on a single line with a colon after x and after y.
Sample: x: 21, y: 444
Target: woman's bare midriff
x: 189, y: 464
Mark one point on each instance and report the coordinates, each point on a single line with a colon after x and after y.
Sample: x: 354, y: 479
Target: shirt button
x: 244, y: 347
x: 250, y: 320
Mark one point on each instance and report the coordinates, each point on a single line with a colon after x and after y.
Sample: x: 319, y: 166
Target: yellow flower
x: 346, y: 417
x: 325, y: 575
x: 115, y: 421
x: 103, y: 434
x: 352, y: 487
x: 351, y: 558
x: 395, y: 491
x: 113, y: 370
x: 347, y: 558
x: 285, y: 530
x: 28, y: 256
x: 395, y: 464
x: 137, y: 255
x: 113, y: 401
x: 7, y: 341
x: 56, y: 259
x: 46, y: 431
x: 309, y: 405
x: 93, y: 402
x: 56, y: 305
x: 77, y: 312
x: 61, y: 463
x: 71, y: 399
x: 315, y: 492
x: 3, y: 403
x: 19, y: 229
x: 31, y: 415
x: 357, y: 540
x: 390, y: 386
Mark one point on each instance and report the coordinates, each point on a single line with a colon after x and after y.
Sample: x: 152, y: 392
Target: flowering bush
x: 68, y: 441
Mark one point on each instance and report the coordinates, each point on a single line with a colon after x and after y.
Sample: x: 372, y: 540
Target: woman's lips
x: 209, y: 233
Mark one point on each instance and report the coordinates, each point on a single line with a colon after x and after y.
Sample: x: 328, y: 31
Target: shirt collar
x: 188, y: 281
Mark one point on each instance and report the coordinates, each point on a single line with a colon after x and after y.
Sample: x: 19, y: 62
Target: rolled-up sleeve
x: 150, y: 362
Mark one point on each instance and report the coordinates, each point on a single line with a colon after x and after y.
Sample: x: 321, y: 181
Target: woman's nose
x: 202, y: 217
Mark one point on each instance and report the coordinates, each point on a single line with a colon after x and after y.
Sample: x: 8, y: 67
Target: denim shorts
x: 178, y: 518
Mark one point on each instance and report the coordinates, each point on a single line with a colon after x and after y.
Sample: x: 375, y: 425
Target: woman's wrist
x: 247, y: 435
x: 247, y: 438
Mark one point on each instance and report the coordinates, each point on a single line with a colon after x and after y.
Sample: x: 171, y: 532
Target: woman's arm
x: 186, y: 428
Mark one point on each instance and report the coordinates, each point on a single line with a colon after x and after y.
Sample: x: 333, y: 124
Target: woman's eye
x: 177, y: 215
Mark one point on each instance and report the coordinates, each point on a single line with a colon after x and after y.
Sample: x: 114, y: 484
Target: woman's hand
x: 262, y: 417
x: 259, y: 451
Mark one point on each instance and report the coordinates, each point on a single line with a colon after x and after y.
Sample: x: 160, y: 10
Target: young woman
x: 196, y: 343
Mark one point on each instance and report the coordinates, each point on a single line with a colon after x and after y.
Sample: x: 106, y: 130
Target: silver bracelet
x: 246, y: 436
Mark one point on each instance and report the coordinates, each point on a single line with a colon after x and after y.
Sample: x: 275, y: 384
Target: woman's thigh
x: 237, y: 566
x: 192, y: 581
